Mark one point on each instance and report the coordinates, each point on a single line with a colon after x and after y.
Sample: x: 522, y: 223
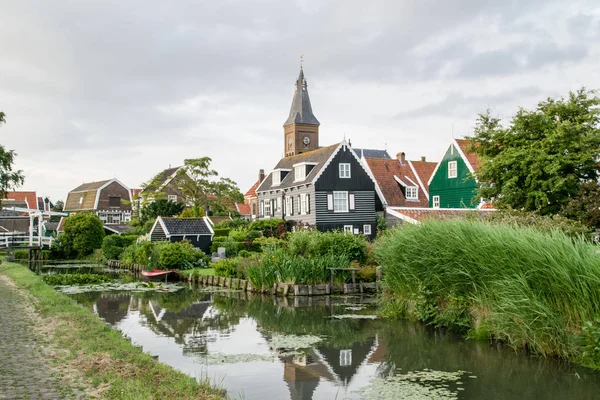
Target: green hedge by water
x: 531, y: 289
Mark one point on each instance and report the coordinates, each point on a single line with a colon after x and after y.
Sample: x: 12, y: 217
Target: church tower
x: 301, y: 130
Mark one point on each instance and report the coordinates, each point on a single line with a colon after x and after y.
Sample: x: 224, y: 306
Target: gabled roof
x: 118, y: 228
x: 214, y: 220
x: 301, y: 110
x: 165, y: 176
x: 465, y: 145
x: 318, y: 157
x: 371, y: 153
x: 252, y: 191
x: 85, y: 197
x: 184, y: 226
x: 243, y: 208
x: 391, y: 175
x: 29, y: 197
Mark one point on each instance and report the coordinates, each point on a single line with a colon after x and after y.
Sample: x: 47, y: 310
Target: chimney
x: 261, y: 175
x: 423, y: 158
x: 401, y: 157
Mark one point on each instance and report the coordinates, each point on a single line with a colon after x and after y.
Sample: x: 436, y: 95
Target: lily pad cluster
x: 414, y: 385
x: 293, y: 342
x: 119, y: 287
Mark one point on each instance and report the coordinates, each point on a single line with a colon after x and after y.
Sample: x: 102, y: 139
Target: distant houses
x: 110, y: 200
x: 198, y: 231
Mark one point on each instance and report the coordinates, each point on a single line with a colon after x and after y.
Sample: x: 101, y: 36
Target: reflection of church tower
x: 301, y: 130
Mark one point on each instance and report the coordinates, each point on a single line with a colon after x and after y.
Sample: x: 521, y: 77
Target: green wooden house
x: 453, y: 182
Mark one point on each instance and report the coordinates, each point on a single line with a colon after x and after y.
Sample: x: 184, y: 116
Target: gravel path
x: 27, y: 366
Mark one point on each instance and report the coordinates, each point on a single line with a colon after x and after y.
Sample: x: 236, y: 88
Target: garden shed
x: 197, y: 231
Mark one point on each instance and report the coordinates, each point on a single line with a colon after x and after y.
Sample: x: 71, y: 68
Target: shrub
x: 113, y: 245
x: 269, y: 227
x: 221, y: 232
x: 528, y: 288
x: 226, y: 268
x: 267, y: 244
x: 83, y: 233
x: 309, y: 243
x: 238, y: 234
x: 177, y: 255
x: 244, y: 253
x: 75, y: 279
x: 231, y: 247
x: 21, y: 256
x: 541, y: 223
x: 233, y: 223
x: 253, y: 234
x: 367, y: 274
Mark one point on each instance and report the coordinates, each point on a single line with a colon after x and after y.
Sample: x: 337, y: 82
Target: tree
x: 541, y: 161
x: 83, y: 233
x: 161, y: 208
x: 585, y: 208
x: 58, y: 206
x: 201, y: 188
x: 9, y: 178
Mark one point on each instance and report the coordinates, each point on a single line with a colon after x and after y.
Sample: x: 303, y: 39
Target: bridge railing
x: 22, y: 239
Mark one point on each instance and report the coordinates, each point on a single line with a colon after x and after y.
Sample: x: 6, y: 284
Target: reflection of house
x: 113, y: 307
x: 198, y: 231
x: 110, y: 200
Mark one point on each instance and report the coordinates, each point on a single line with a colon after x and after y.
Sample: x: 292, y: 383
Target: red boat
x: 157, y: 274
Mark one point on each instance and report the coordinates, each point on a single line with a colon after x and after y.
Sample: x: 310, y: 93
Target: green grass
x: 533, y: 290
x: 102, y: 353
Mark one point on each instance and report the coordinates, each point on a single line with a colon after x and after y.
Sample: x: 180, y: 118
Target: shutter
x: 262, y: 208
x: 308, y: 203
x: 351, y: 199
x: 272, y: 207
x: 299, y: 205
x: 291, y: 205
x: 330, y: 201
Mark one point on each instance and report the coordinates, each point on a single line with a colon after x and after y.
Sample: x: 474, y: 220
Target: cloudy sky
x: 98, y: 89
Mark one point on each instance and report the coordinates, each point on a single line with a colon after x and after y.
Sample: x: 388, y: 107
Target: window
x: 348, y: 229
x: 340, y: 201
x: 344, y: 170
x: 81, y: 200
x: 114, y: 201
x: 303, y: 203
x: 267, y: 208
x: 436, y: 201
x: 412, y: 193
x: 276, y: 178
x: 172, y: 197
x: 288, y: 205
x: 253, y: 211
x: 367, y: 229
x: 300, y: 173
x: 452, y: 171
x: 345, y: 358
x: 279, y: 204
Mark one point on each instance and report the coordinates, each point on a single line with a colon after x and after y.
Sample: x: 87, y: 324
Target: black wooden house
x: 197, y: 231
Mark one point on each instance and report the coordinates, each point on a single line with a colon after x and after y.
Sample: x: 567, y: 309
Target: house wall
x: 454, y: 192
x: 15, y: 224
x: 201, y: 242
x: 330, y: 180
x: 114, y: 189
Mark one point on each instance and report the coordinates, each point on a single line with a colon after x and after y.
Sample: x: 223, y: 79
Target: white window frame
x: 345, y: 358
x: 436, y: 202
x: 300, y: 173
x: 288, y: 206
x: 276, y: 178
x: 367, y: 229
x: 344, y: 170
x: 279, y: 204
x: 412, y: 193
x: 452, y: 169
x: 337, y: 202
x: 172, y: 197
x: 303, y: 204
x: 348, y: 229
x: 267, y: 210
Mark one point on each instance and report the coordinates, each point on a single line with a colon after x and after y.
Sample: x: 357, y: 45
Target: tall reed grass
x: 530, y: 289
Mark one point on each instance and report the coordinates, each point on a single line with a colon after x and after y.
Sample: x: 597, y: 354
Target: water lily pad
x: 220, y: 358
x: 129, y: 287
x: 354, y: 316
x: 293, y: 342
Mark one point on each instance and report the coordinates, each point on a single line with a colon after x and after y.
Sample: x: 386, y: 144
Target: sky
x: 94, y: 90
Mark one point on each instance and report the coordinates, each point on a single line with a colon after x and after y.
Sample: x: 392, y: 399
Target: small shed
x: 197, y: 231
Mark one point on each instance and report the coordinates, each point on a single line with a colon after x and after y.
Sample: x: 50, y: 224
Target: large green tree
x: 543, y: 157
x: 9, y: 179
x: 161, y: 208
x: 83, y: 233
x: 201, y: 187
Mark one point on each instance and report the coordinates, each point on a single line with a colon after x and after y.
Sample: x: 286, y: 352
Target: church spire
x: 301, y: 110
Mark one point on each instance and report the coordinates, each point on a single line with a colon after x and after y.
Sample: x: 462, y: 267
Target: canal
x: 262, y: 347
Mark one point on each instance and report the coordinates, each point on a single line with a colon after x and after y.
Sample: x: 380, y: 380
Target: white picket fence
x: 22, y: 239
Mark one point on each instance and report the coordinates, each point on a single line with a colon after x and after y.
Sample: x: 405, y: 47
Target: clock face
x: 290, y: 142
x: 306, y: 140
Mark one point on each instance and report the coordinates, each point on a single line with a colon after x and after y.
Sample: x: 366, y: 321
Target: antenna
x: 301, y: 60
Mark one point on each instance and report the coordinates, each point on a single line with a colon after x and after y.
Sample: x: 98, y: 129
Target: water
x: 229, y: 337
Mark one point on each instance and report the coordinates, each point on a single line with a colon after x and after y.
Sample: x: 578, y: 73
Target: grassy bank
x: 114, y: 364
x: 533, y: 290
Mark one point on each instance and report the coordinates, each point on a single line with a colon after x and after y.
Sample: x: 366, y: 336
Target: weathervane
x: 301, y: 60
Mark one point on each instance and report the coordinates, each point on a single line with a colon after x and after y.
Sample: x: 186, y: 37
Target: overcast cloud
x: 98, y: 89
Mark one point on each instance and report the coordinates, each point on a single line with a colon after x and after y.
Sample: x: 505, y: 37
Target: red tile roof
x: 472, y: 157
x: 29, y: 197
x: 385, y: 172
x: 416, y: 215
x: 243, y: 208
x: 252, y: 191
x: 135, y: 192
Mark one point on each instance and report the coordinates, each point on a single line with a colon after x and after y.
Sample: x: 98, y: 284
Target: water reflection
x: 191, y: 330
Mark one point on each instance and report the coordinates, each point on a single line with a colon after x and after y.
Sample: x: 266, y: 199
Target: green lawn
x: 101, y: 352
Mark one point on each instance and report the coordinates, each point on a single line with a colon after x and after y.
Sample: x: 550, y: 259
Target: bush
x: 531, y: 289
x: 231, y: 247
x: 233, y: 223
x: 367, y: 274
x: 177, y: 255
x: 83, y: 233
x: 75, y: 279
x: 238, y: 234
x: 221, y: 232
x: 539, y: 222
x: 244, y: 253
x: 253, y: 234
x: 113, y: 245
x: 227, y: 268
x: 308, y: 243
x: 267, y: 244
x: 275, y: 227
x: 21, y: 256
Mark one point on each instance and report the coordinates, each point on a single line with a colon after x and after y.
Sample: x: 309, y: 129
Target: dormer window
x: 114, y: 201
x: 452, y: 169
x: 81, y: 200
x: 344, y: 169
x: 412, y: 193
x: 276, y: 178
x: 300, y: 172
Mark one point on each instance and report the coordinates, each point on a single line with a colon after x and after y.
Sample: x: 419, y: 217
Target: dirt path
x: 28, y: 366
